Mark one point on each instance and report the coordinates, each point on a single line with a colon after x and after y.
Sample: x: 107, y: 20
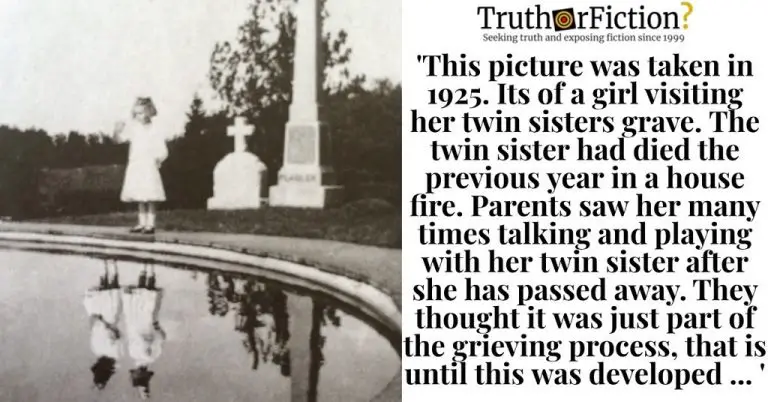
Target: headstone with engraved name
x: 306, y: 179
x: 239, y: 178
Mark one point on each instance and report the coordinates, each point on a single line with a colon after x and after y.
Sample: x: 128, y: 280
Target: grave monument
x: 238, y: 179
x: 306, y: 179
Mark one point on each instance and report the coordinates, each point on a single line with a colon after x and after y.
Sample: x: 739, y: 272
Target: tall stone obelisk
x: 307, y: 179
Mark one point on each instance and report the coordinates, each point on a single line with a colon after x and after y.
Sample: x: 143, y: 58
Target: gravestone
x: 238, y: 179
x: 306, y: 179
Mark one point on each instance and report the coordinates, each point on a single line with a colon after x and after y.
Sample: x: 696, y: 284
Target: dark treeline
x: 37, y: 147
x: 253, y: 77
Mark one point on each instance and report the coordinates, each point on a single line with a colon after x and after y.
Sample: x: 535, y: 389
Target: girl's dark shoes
x: 137, y: 229
x: 148, y: 231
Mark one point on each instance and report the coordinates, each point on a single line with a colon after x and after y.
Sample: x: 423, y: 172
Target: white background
x: 716, y: 29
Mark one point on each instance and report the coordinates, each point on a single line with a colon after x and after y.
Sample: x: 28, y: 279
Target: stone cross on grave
x: 239, y: 178
x: 239, y: 131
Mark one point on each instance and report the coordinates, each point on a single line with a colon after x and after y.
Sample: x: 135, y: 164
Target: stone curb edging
x: 104, y: 232
x: 332, y: 269
x: 371, y: 300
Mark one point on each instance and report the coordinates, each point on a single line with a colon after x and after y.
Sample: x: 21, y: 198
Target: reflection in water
x: 140, y: 306
x: 103, y: 306
x: 316, y: 342
x: 229, y: 337
x: 145, y: 336
x: 219, y: 295
x: 262, y: 316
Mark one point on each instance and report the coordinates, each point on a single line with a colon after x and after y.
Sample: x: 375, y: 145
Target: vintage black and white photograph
x: 200, y: 200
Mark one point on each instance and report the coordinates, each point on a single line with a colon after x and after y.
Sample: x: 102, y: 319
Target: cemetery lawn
x: 350, y: 225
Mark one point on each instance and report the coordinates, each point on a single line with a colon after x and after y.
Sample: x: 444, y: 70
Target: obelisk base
x: 306, y: 187
x: 317, y: 197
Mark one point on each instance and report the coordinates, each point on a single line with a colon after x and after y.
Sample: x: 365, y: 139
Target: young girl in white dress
x: 103, y: 306
x: 148, y: 150
x: 144, y: 334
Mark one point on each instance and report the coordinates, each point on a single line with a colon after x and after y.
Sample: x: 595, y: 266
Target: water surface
x: 224, y: 337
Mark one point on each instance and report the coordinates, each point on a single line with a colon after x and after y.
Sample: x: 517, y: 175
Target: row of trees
x: 253, y: 78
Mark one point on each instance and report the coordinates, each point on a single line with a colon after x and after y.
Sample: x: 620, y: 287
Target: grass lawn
x: 349, y: 224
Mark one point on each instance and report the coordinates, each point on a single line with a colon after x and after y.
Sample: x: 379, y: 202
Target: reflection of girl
x: 265, y: 333
x: 103, y: 306
x: 260, y: 318
x: 145, y: 336
x: 250, y: 321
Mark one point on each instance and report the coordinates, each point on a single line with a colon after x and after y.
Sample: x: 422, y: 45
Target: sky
x: 79, y: 64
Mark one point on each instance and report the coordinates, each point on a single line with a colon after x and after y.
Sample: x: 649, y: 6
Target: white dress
x: 265, y: 335
x: 107, y: 304
x: 145, y: 338
x: 147, y: 152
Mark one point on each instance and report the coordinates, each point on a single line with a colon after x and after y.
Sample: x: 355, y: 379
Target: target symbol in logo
x: 563, y: 19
